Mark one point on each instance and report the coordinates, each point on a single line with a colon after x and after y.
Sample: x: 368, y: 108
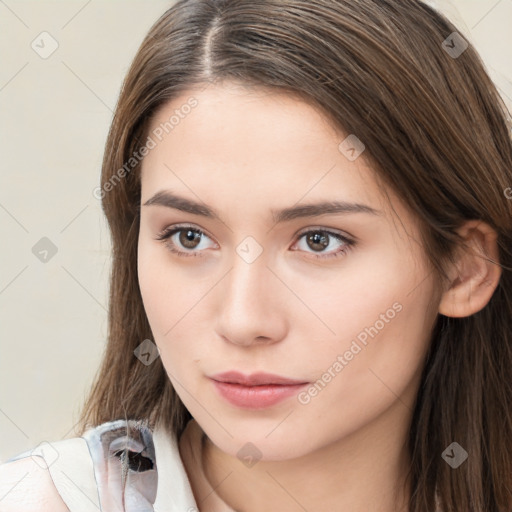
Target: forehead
x: 257, y: 119
x: 253, y: 147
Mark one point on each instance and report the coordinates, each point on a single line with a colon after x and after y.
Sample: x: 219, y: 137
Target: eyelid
x: 176, y: 227
x: 166, y: 232
x: 334, y: 231
x: 347, y: 239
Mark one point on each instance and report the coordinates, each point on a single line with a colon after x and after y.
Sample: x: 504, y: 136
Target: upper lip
x: 255, y: 379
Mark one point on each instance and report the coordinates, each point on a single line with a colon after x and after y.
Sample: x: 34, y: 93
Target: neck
x: 364, y: 471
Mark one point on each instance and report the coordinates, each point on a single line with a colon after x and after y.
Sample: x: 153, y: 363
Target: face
x: 255, y: 279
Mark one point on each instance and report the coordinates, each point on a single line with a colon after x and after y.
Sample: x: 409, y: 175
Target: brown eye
x: 189, y: 239
x: 317, y: 240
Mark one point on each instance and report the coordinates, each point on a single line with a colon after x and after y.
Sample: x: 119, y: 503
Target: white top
x: 87, y: 471
x: 123, y: 466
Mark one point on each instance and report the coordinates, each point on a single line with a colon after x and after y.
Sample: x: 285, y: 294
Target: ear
x: 477, y: 272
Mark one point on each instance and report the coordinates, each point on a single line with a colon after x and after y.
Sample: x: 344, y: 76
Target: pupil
x: 319, y: 239
x: 188, y: 238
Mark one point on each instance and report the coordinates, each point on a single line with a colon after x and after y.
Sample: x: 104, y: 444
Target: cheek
x: 169, y: 301
x: 353, y: 297
x: 378, y: 310
x: 356, y: 381
x: 362, y: 380
x: 162, y: 292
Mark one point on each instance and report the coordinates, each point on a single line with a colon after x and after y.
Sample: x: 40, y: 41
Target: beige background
x: 55, y: 116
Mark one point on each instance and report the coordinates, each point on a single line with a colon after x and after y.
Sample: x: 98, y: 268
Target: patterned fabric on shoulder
x: 123, y: 456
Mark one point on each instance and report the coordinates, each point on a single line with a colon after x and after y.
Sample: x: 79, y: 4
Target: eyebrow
x: 171, y: 200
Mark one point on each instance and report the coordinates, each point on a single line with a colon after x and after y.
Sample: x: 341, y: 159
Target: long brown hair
x: 435, y: 129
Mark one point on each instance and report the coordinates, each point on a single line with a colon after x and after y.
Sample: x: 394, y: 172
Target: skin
x: 244, y: 152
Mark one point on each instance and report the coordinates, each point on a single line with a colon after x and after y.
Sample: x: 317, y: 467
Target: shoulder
x: 26, y: 486
x: 93, y: 470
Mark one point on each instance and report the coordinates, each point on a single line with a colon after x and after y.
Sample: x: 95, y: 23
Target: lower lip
x: 256, y: 397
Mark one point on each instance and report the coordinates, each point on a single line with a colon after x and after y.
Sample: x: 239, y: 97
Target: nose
x: 251, y: 304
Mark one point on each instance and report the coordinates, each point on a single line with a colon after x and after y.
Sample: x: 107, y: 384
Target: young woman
x: 311, y: 296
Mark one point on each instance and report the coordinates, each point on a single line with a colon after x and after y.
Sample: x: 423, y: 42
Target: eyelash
x: 167, y: 233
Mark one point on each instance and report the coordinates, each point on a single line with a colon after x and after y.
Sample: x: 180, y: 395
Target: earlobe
x: 477, y: 274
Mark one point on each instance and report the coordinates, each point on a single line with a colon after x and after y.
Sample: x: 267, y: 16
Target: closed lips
x: 255, y: 379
